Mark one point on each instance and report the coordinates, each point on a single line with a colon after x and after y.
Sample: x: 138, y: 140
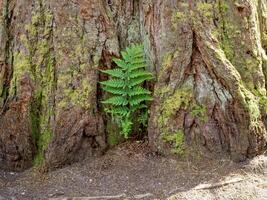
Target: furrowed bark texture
x: 208, y: 58
x: 216, y: 70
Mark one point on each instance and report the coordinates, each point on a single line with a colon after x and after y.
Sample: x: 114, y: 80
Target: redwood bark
x: 208, y: 57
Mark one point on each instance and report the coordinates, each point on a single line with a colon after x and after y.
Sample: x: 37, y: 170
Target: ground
x: 132, y: 171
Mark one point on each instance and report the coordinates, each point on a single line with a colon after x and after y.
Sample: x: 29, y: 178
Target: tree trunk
x: 211, y: 84
x: 208, y: 58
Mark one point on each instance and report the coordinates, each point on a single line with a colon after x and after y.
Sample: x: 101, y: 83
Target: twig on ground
x: 215, y: 185
x: 115, y: 197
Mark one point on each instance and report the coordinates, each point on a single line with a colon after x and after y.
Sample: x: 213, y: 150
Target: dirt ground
x: 131, y: 171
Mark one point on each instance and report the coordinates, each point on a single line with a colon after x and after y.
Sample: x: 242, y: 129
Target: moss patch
x: 74, y: 79
x: 176, y: 140
x: 170, y: 105
x: 252, y: 104
x: 180, y: 99
x: 199, y: 111
x: 113, y: 137
x: 206, y: 9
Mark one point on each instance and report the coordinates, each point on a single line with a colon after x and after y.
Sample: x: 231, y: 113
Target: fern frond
x: 116, y: 101
x: 139, y: 80
x: 138, y: 91
x: 120, y: 63
x: 128, y: 57
x: 118, y: 73
x: 140, y: 73
x: 135, y: 49
x: 129, y: 96
x: 117, y: 83
x: 114, y: 90
x: 133, y: 67
x: 122, y: 111
x: 140, y: 98
x: 137, y: 107
x: 138, y: 61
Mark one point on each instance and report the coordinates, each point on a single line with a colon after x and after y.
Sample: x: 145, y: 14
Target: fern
x: 125, y: 85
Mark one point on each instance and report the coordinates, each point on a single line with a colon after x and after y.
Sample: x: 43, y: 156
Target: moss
x: 167, y: 61
x: 113, y: 135
x: 206, y: 9
x: 177, y: 17
x: 264, y: 39
x: 42, y: 144
x: 21, y: 66
x: 199, y: 111
x: 37, y: 61
x: 162, y: 91
x: 3, y: 93
x: 227, y: 34
x: 73, y: 80
x: 262, y: 99
x: 228, y: 48
x: 176, y: 140
x: 35, y: 116
x: 171, y: 104
x: 180, y: 99
x: 78, y: 96
x: 236, y: 50
x: 252, y: 104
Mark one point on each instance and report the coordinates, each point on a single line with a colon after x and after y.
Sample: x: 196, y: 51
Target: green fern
x: 125, y: 85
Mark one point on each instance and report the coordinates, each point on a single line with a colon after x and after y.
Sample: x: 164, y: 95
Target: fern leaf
x: 138, y: 61
x: 137, y: 107
x: 116, y: 101
x: 140, y: 98
x: 131, y: 57
x: 126, y: 56
x: 139, y: 80
x: 120, y: 63
x: 133, y: 67
x: 126, y: 86
x: 114, y: 90
x: 118, y: 73
x: 123, y: 111
x: 117, y: 83
x: 140, y: 73
x: 135, y: 49
x: 138, y: 91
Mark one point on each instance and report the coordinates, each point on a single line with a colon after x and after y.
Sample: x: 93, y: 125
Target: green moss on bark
x: 199, y: 111
x: 176, y: 140
x: 113, y: 137
x: 74, y: 80
x: 180, y: 99
x: 37, y: 61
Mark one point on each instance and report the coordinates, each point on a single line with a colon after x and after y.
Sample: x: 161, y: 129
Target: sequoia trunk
x: 208, y: 57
